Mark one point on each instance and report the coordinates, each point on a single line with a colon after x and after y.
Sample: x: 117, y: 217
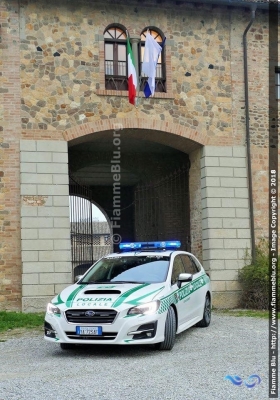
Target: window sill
x: 124, y: 93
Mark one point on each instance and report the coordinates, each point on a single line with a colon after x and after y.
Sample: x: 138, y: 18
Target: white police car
x: 146, y: 294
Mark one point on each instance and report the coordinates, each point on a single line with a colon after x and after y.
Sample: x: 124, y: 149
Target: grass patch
x: 245, y: 313
x: 13, y: 320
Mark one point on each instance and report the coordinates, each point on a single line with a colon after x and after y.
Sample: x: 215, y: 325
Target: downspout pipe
x: 247, y: 118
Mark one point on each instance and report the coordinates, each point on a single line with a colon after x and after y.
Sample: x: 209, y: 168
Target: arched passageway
x: 140, y: 182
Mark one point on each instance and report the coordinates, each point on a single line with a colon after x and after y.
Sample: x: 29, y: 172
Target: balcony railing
x: 116, y: 77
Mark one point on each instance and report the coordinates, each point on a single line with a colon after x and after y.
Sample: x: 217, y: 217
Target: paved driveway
x: 33, y: 369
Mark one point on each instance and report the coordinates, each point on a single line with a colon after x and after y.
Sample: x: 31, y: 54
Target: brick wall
x: 10, y: 126
x: 195, y: 204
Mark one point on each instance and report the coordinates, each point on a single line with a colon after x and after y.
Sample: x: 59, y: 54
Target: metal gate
x: 161, y: 212
x: 90, y: 239
x: 162, y: 209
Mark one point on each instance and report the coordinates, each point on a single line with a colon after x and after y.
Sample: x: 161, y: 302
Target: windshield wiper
x: 107, y: 282
x: 92, y: 282
x: 126, y: 282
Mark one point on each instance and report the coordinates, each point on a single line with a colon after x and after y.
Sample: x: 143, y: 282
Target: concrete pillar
x: 45, y: 222
x: 225, y: 219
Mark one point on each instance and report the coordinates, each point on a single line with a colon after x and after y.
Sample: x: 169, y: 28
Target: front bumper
x: 138, y: 329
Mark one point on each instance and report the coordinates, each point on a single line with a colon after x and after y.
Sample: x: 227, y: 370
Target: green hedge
x: 255, y: 281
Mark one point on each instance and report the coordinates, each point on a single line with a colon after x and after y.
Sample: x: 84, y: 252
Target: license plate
x: 89, y: 330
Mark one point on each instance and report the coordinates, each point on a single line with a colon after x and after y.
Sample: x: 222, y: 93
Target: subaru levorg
x: 145, y: 294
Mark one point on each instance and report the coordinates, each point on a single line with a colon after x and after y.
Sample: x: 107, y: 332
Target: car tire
x: 206, y: 314
x: 67, y: 346
x: 169, y: 331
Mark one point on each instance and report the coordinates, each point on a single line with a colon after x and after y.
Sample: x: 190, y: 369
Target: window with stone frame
x: 160, y: 83
x: 115, y: 58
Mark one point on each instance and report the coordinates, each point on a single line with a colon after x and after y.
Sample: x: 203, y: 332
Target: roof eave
x: 235, y: 3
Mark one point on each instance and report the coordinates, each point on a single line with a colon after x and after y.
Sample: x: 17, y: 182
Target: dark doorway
x: 150, y: 201
x: 161, y: 208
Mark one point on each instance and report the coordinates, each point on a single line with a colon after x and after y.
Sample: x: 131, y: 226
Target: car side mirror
x: 184, y: 278
x: 77, y: 278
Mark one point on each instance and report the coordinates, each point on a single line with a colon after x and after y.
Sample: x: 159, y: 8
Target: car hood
x: 119, y: 296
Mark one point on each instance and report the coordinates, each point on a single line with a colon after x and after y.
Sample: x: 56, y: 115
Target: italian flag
x: 132, y: 79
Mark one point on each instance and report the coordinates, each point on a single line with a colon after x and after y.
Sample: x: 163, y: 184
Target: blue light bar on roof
x: 137, y: 246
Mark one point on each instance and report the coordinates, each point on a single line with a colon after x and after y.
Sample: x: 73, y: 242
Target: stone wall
x: 53, y: 89
x: 62, y: 71
x: 258, y: 64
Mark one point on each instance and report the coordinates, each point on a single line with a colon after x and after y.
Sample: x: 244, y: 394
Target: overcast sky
x: 79, y: 209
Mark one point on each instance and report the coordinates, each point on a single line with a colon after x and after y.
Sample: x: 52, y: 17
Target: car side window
x: 190, y: 266
x: 198, y: 266
x: 178, y: 268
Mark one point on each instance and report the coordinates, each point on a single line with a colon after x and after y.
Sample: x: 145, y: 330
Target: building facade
x: 174, y: 165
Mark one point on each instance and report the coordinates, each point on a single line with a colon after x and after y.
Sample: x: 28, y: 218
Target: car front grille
x: 104, y: 336
x: 99, y: 317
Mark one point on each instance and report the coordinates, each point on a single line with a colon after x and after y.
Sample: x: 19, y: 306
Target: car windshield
x: 133, y: 269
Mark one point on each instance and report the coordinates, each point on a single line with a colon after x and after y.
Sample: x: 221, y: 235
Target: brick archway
x: 89, y: 128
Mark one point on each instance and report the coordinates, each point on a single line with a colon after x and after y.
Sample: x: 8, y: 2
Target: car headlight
x: 52, y: 309
x: 145, y: 309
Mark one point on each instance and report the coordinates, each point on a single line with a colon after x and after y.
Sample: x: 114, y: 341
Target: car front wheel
x: 206, y: 314
x: 169, y: 331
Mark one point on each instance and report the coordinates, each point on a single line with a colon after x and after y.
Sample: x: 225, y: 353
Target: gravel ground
x: 33, y: 369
